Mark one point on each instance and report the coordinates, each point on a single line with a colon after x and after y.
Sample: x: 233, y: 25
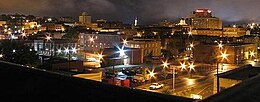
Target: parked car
x: 155, y: 86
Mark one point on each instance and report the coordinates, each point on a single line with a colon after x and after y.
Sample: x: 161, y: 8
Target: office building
x: 150, y: 47
x: 202, y: 19
x: 234, y: 31
x: 85, y: 19
x: 98, y: 41
x: 236, y: 53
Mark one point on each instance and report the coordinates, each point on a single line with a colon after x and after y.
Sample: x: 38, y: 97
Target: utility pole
x: 217, y: 79
x: 173, y: 78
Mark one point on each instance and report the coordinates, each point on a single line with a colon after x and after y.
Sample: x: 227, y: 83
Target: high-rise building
x: 85, y: 19
x: 203, y: 19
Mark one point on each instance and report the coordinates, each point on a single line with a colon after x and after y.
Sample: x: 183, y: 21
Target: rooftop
x: 19, y: 83
x: 241, y: 73
x: 246, y: 91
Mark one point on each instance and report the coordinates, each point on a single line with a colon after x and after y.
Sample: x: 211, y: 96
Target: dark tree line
x: 18, y: 52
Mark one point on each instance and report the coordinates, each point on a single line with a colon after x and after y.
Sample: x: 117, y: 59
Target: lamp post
x: 48, y: 38
x: 165, y: 65
x: 67, y: 51
x: 151, y: 74
x: 191, y: 67
x: 173, y: 78
x: 223, y: 56
x: 1, y: 56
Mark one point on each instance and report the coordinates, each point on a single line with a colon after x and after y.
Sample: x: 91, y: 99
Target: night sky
x: 148, y: 11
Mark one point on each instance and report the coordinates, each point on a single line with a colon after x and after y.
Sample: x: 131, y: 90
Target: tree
x: 17, y: 52
x: 164, y: 73
x: 73, y: 33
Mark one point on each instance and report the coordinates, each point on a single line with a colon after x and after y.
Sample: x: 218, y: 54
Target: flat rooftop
x: 21, y: 83
x: 241, y: 73
x: 246, y: 91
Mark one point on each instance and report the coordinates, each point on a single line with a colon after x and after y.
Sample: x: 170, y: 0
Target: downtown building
x: 203, y: 23
x: 150, y: 47
x: 85, y: 19
x: 95, y: 42
x: 235, y: 53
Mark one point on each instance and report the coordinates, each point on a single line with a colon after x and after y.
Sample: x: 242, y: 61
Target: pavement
x: 185, y: 86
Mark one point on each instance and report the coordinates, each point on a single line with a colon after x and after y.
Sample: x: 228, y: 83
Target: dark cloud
x: 127, y: 10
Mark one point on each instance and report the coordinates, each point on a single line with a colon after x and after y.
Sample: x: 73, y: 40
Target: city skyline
x: 230, y: 11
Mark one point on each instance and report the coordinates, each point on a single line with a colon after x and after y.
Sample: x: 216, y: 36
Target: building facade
x: 202, y: 19
x: 98, y: 41
x: 150, y: 47
x: 237, y: 53
x: 85, y: 19
x: 233, y: 31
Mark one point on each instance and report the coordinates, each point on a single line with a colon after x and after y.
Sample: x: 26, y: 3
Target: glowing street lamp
x: 252, y: 54
x: 165, y: 64
x: 251, y: 27
x: 191, y: 66
x: 190, y: 34
x: 1, y: 55
x: 48, y: 37
x: 183, y: 66
x: 191, y: 45
x: 223, y: 55
x: 66, y: 50
x: 121, y: 52
x: 100, y: 56
x: 59, y: 51
x: 23, y: 34
x: 91, y: 39
x: 13, y: 36
x: 125, y: 41
x: 220, y: 46
x: 74, y: 50
x: 151, y: 74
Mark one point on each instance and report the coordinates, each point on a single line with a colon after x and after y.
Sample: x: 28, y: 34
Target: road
x: 185, y: 86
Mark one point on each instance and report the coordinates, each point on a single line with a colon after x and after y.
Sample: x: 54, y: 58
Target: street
x: 185, y: 86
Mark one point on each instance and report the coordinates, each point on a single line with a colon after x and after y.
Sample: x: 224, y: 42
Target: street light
x: 252, y: 54
x: 14, y: 50
x: 183, y: 66
x: 151, y: 74
x: 59, y: 51
x: 191, y: 45
x: 125, y: 41
x: 191, y: 67
x: 1, y: 55
x: 48, y: 37
x: 190, y: 33
x: 91, y: 39
x: 220, y: 46
x: 122, y: 54
x: 165, y: 65
x: 223, y: 57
